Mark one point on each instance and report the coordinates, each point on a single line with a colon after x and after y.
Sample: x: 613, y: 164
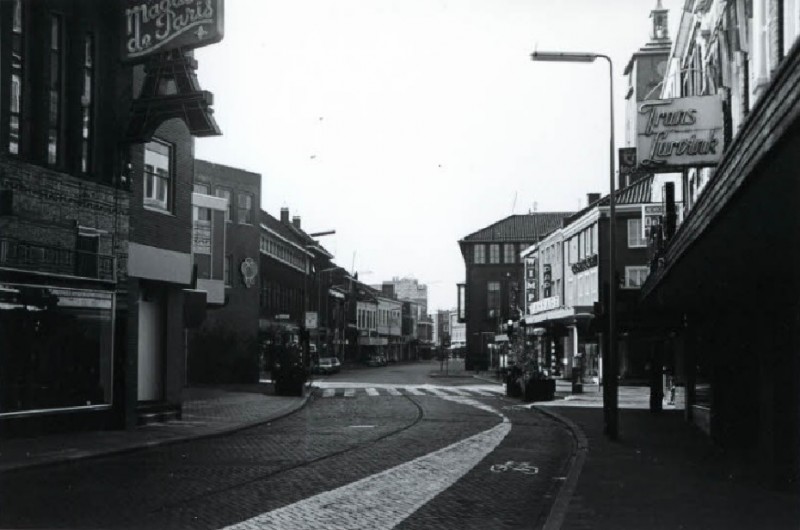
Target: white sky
x: 406, y: 125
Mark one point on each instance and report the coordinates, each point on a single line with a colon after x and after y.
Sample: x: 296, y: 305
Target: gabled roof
x: 637, y: 193
x: 526, y: 227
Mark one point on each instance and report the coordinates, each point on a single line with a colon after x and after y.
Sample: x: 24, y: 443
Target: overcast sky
x: 406, y: 125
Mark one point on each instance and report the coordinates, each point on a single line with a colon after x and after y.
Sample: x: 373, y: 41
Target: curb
x: 561, y: 503
x: 154, y: 443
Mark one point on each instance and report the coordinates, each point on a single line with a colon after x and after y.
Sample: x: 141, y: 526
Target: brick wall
x: 172, y: 230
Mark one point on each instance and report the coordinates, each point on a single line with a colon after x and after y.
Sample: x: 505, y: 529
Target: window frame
x: 509, y: 253
x: 493, y: 295
x: 479, y: 254
x: 249, y: 217
x: 153, y: 203
x: 17, y: 68
x: 637, y: 232
x: 629, y: 270
x: 494, y: 253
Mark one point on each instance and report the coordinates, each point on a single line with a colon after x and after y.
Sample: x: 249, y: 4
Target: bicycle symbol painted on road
x: 523, y: 467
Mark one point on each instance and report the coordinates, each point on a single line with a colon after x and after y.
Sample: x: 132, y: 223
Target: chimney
x: 285, y: 215
x: 592, y: 198
x: 296, y: 221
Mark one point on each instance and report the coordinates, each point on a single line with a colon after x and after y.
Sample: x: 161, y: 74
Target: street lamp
x: 610, y: 407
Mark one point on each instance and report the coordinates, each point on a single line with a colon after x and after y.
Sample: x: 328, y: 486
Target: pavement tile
x: 207, y: 411
x: 665, y: 473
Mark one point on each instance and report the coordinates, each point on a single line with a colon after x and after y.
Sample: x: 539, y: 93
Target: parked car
x: 327, y: 365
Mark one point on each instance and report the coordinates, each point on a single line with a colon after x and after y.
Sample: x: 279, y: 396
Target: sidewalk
x: 207, y: 411
x: 661, y: 473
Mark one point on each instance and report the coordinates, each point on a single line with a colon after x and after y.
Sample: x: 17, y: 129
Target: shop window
x: 56, y: 346
x: 157, y: 175
x: 635, y: 237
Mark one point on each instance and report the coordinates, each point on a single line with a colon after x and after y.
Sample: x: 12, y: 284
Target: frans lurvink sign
x: 151, y: 26
x: 679, y: 133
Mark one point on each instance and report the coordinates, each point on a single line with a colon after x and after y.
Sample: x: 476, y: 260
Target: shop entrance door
x: 151, y: 346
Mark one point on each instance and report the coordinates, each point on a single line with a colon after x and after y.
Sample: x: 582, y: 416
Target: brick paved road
x: 372, y: 437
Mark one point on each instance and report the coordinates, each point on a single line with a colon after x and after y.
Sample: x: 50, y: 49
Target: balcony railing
x: 48, y: 259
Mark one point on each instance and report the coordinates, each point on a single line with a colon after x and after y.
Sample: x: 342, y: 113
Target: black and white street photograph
x: 399, y: 264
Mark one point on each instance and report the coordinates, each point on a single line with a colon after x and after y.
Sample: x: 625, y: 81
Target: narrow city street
x: 379, y: 447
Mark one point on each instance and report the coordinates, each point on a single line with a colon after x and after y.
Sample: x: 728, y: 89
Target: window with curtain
x: 494, y: 253
x: 635, y: 237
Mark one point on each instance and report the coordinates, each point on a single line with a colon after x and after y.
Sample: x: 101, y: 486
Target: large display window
x: 56, y: 348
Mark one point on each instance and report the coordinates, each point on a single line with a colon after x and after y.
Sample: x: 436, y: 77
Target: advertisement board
x: 157, y: 26
x: 679, y: 133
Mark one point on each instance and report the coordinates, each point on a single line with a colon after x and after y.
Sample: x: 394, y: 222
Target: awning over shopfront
x: 562, y: 315
x: 373, y: 341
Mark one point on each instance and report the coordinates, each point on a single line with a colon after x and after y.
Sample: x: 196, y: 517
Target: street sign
x: 311, y: 320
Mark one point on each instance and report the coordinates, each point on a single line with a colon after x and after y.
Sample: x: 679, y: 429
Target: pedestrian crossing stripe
x: 411, y: 391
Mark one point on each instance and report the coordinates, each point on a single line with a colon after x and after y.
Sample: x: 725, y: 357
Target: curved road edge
x: 561, y: 503
x: 129, y: 444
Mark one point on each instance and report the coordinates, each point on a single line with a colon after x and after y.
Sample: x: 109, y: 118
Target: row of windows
x: 388, y: 317
x: 52, y: 126
x: 284, y: 252
x: 582, y: 245
x: 366, y: 318
x: 243, y: 206
x: 280, y: 299
x: 509, y: 253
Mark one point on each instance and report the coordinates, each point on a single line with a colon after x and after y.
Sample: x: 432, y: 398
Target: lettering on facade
x: 678, y: 133
x: 545, y: 304
x: 80, y: 197
x: 151, y: 26
x: 585, y: 264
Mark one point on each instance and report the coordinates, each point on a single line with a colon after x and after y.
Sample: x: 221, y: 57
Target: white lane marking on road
x: 436, y: 391
x: 362, y: 426
x: 415, y: 391
x: 349, y: 392
x: 386, y: 499
x: 456, y: 391
x: 328, y: 392
x: 372, y: 391
x: 393, y: 391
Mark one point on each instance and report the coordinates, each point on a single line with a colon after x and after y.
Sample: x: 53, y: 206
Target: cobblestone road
x: 375, y: 459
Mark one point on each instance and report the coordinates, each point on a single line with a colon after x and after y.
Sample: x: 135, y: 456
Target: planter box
x: 540, y: 390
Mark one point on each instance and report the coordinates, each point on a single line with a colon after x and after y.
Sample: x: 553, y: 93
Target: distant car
x: 327, y: 365
x: 377, y: 360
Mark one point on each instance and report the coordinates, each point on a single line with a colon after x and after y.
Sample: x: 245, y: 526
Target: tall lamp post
x: 321, y: 276
x: 610, y: 405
